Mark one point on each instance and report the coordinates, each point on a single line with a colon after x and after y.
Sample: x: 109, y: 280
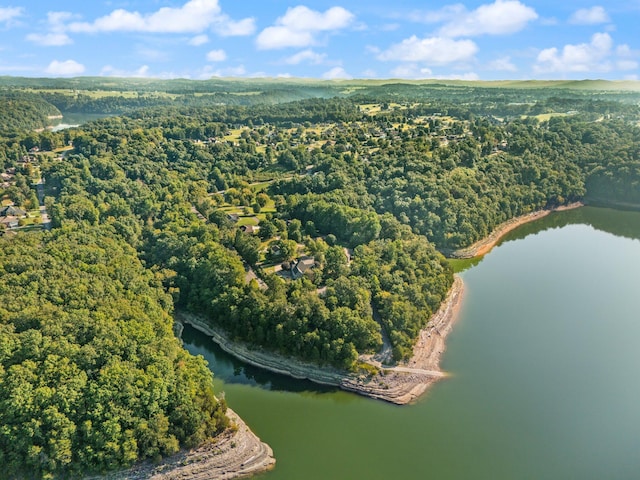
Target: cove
x: 71, y: 120
x: 543, y: 364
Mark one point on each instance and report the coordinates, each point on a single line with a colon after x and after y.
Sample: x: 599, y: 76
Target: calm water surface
x: 544, y: 364
x: 70, y: 120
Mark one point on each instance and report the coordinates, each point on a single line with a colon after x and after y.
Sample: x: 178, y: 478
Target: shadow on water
x: 622, y: 223
x: 232, y: 371
x: 462, y: 264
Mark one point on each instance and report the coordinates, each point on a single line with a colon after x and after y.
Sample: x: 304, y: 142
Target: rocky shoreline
x: 400, y: 384
x: 236, y: 453
x: 484, y: 246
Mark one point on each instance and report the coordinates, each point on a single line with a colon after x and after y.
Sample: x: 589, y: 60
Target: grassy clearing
x: 103, y: 93
x: 234, y: 134
x: 62, y: 149
x: 34, y: 218
x: 260, y: 186
x: 371, y: 108
x: 544, y: 117
x: 248, y: 220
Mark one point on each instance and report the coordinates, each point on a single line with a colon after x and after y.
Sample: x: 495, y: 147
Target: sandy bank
x: 484, y: 246
x: 400, y: 384
x: 236, y: 453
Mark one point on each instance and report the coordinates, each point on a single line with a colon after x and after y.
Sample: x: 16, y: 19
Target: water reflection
x: 622, y: 223
x: 233, y: 371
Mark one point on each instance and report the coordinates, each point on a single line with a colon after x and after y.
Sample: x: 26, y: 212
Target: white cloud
x: 56, y: 36
x: 369, y: 73
x: 299, y: 25
x: 9, y: 14
x: 431, y: 51
x: 336, y: 73
x: 66, y: 68
x: 306, y: 56
x: 411, y: 71
x: 199, y: 40
x: 194, y: 16
x: 445, y: 14
x: 584, y: 57
x: 51, y: 39
x: 469, y: 76
x: 109, y: 71
x: 626, y: 65
x: 503, y: 17
x: 216, y: 56
x: 230, y: 28
x: 503, y: 64
x: 238, y: 71
x: 589, y: 16
x: 282, y: 37
x: 625, y: 51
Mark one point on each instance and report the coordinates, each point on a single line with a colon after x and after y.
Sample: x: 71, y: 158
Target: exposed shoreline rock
x: 235, y: 453
x: 484, y: 246
x: 400, y: 384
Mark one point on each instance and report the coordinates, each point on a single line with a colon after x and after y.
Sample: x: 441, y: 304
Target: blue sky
x: 487, y: 40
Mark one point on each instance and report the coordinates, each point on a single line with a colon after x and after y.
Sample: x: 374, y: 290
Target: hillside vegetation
x: 312, y: 228
x: 91, y: 375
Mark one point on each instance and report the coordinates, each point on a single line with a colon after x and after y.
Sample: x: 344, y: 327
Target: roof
x: 12, y: 210
x: 301, y: 266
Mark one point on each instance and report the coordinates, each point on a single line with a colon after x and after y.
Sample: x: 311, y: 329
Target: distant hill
x: 27, y: 112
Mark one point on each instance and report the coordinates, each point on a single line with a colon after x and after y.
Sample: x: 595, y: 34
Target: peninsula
x: 298, y: 223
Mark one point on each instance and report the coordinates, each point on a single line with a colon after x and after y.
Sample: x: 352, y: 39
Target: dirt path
x: 419, y: 371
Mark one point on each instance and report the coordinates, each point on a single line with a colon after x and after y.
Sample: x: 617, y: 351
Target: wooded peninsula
x: 305, y: 219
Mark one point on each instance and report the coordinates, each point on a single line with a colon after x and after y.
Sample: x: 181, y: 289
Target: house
x: 234, y: 217
x: 9, y: 222
x: 12, y: 211
x: 249, y: 229
x: 301, y: 266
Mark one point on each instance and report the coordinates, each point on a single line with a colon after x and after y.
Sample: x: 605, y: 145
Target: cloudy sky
x: 490, y: 40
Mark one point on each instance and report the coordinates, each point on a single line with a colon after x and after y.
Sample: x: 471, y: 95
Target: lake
x: 544, y: 363
x: 70, y: 120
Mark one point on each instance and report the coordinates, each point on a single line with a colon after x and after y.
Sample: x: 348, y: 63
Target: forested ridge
x: 91, y: 375
x: 24, y: 112
x: 311, y: 228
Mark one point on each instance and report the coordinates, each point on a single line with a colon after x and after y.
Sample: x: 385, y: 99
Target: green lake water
x: 70, y: 120
x: 545, y: 374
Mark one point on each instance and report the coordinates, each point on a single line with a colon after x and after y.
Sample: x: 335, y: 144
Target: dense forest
x: 92, y: 377
x: 313, y: 228
x: 22, y: 111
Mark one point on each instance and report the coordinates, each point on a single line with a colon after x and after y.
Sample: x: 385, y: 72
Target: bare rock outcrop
x: 236, y: 453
